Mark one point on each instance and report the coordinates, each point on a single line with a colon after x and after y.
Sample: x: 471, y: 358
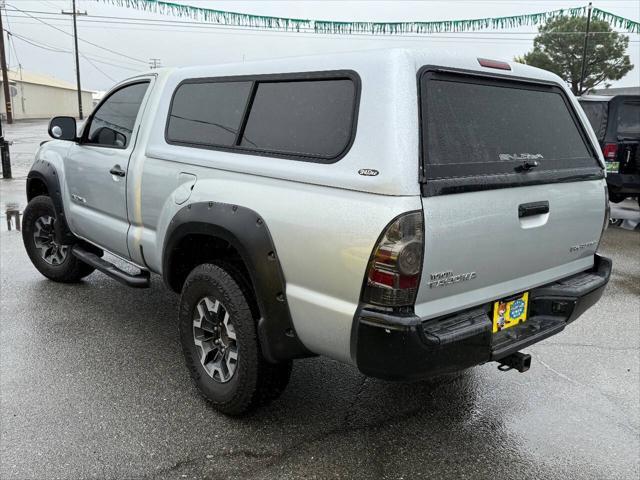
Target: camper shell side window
x: 302, y: 116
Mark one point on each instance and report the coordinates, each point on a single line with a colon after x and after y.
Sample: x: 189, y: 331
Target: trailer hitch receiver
x: 517, y: 361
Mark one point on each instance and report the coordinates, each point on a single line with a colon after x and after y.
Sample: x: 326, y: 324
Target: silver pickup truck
x: 407, y: 212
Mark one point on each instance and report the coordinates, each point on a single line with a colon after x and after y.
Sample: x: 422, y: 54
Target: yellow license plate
x: 509, y: 313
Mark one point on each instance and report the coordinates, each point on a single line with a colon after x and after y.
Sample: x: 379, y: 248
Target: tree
x: 559, y: 47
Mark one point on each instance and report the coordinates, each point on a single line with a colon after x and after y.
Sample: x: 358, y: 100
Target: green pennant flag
x: 222, y: 17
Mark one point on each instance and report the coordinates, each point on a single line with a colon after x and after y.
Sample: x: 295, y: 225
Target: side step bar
x: 141, y: 280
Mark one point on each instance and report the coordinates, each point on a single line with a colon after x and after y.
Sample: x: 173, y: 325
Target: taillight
x: 395, y: 267
x: 485, y: 62
x: 610, y: 151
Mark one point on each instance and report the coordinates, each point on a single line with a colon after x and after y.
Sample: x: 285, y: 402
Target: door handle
x: 533, y: 208
x: 117, y: 171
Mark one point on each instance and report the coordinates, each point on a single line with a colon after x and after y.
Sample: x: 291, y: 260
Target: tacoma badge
x: 442, y: 279
x: 582, y: 246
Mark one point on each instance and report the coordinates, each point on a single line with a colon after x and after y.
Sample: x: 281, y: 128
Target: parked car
x: 616, y: 122
x: 408, y: 213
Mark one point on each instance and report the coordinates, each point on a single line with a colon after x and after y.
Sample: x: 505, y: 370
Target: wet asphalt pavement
x: 93, y: 385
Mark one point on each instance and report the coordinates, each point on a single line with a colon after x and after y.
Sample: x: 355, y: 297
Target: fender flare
x: 247, y: 232
x: 45, y: 172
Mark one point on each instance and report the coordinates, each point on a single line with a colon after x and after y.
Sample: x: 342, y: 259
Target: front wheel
x: 220, y: 344
x: 50, y: 257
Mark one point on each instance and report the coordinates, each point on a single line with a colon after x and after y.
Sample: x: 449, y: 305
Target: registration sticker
x: 509, y: 313
x: 612, y: 167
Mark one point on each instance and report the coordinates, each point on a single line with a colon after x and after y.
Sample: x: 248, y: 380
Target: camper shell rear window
x: 478, y: 132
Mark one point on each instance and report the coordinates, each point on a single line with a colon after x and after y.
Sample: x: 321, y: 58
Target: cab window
x: 112, y: 123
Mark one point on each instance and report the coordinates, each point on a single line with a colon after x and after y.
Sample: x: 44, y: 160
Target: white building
x: 40, y: 96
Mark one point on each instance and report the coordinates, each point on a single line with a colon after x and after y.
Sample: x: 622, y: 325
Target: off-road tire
x: 70, y: 270
x: 255, y: 381
x: 616, y: 197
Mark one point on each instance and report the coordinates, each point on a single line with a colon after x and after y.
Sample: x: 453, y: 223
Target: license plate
x: 509, y: 313
x: 612, y: 167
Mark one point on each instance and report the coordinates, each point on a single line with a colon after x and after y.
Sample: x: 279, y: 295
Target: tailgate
x: 513, y: 194
x: 478, y: 248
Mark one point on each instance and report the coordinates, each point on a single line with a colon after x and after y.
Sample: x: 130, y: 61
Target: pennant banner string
x: 222, y: 17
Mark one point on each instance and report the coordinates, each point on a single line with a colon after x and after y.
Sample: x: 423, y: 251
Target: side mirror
x: 63, y: 128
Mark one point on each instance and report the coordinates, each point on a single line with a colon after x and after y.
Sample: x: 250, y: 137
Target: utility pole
x: 75, y: 13
x: 584, y: 50
x: 154, y: 63
x: 5, y: 76
x: 4, y: 155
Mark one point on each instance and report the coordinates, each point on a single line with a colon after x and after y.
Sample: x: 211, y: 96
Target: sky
x: 118, y: 50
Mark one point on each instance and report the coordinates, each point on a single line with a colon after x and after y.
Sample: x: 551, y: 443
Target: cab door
x: 96, y: 168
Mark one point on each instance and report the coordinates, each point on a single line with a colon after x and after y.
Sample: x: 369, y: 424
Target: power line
x: 57, y: 50
x: 13, y: 47
x: 207, y: 28
x: 54, y: 49
x: 6, y: 165
x: 31, y: 42
x: 52, y: 4
x: 241, y: 31
x: 161, y: 22
x: 482, y: 36
x: 115, y: 65
x: 99, y: 69
x: 82, y: 40
x: 96, y: 58
x: 122, y: 21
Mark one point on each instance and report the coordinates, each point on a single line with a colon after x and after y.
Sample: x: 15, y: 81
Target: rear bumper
x: 624, y: 183
x: 403, y: 346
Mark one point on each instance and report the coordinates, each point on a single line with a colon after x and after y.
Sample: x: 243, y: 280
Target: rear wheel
x: 220, y: 344
x: 616, y: 197
x: 52, y: 258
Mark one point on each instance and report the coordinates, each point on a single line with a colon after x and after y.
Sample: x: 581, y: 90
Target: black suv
x: 616, y: 121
